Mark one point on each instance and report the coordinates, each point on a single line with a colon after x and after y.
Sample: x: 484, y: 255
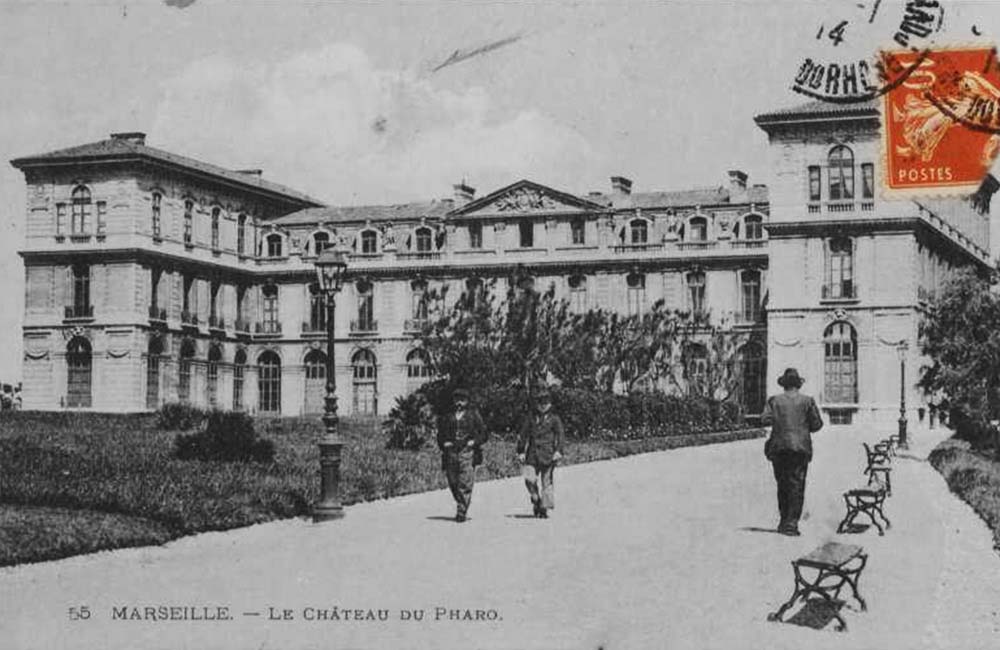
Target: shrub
x: 411, y: 422
x: 228, y: 436
x: 179, y: 416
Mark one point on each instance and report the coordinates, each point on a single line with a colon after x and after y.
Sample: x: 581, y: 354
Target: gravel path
x: 662, y: 550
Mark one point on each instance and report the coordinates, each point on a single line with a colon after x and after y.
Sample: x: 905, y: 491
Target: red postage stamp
x: 942, y: 124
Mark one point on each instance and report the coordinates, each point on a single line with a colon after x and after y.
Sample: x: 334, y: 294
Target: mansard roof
x: 362, y: 213
x: 116, y: 149
x: 718, y: 195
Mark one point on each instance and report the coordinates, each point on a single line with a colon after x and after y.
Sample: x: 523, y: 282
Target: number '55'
x: 81, y: 613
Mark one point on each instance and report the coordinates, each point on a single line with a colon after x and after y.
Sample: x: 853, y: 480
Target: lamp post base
x: 329, y: 508
x: 902, y: 434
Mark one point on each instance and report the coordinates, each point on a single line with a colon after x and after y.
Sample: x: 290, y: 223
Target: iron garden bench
x: 835, y: 565
x: 867, y: 501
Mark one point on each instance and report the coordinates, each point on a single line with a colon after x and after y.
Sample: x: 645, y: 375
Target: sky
x: 359, y: 103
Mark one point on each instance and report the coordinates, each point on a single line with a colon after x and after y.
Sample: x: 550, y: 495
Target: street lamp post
x: 330, y: 268
x: 902, y: 349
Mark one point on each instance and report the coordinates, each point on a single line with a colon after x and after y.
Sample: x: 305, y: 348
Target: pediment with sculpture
x: 526, y: 197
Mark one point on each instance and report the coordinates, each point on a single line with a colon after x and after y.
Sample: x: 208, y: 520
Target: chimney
x: 737, y: 180
x: 132, y: 137
x: 621, y: 185
x: 251, y: 172
x: 463, y: 193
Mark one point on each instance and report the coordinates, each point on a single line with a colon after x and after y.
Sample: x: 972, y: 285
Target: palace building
x: 153, y: 278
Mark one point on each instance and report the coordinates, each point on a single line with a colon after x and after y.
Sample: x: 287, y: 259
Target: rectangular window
x: 475, y: 235
x: 157, y: 198
x: 527, y: 234
x: 241, y: 234
x: 867, y: 181
x: 60, y: 219
x: 81, y: 217
x: 102, y: 217
x: 238, y: 370
x: 366, y: 312
x: 189, y: 223
x: 636, y: 294
x: 81, y: 291
x: 814, y: 183
x: 270, y: 310
x: 577, y: 231
x: 750, y: 286
x: 216, y: 215
x: 696, y: 292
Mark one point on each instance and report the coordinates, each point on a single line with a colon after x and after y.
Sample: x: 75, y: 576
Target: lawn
x: 974, y: 477
x: 77, y: 483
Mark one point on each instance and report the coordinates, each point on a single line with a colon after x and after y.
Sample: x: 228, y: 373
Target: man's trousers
x: 461, y: 476
x: 541, y: 496
x: 790, y: 474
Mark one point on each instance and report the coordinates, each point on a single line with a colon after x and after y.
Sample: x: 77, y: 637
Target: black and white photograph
x: 569, y: 325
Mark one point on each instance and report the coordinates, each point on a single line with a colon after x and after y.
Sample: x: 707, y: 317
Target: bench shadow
x: 758, y: 529
x: 441, y: 518
x: 852, y: 529
x: 520, y: 516
x: 817, y: 613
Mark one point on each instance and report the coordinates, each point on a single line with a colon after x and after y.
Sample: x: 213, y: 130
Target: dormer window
x: 638, y: 231
x: 274, y: 245
x: 424, y: 240
x: 216, y: 216
x: 753, y: 227
x: 526, y: 231
x: 321, y: 241
x: 189, y: 223
x: 578, y: 232
x: 369, y: 242
x: 241, y: 234
x: 157, y: 199
x: 475, y: 235
x: 698, y: 229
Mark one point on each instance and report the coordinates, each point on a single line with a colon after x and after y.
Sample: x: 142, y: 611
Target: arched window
x: 241, y: 234
x: 696, y: 291
x: 315, y: 366
x: 269, y: 382
x: 78, y: 375
x: 840, y: 343
x: 274, y: 247
x: 578, y: 293
x: 216, y: 217
x: 752, y: 366
x: 638, y: 231
x: 157, y: 200
x: 184, y: 371
x: 697, y: 229
x: 81, y: 210
x: 424, y: 240
x: 365, y: 378
x: 155, y: 351
x: 753, y: 227
x: 369, y: 242
x: 320, y: 241
x: 418, y: 365
x: 214, y: 358
x: 839, y: 269
x: 696, y: 369
x: 270, y: 321
x: 189, y: 222
x: 636, y: 283
x: 841, y: 173
x: 239, y: 375
x: 317, y: 309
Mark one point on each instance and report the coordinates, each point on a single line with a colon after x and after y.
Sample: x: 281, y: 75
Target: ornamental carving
x: 73, y: 332
x: 837, y: 314
x: 523, y: 200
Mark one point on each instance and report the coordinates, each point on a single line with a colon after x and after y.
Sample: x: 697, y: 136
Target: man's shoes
x: 543, y: 513
x: 459, y: 518
x: 791, y: 530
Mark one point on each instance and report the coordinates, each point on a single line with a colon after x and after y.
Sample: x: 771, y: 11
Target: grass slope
x: 76, y: 483
x: 974, y: 477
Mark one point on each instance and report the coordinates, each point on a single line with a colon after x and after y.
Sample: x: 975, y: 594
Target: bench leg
x: 799, y: 589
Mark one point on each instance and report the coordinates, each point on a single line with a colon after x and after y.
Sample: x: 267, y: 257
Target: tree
x: 959, y: 332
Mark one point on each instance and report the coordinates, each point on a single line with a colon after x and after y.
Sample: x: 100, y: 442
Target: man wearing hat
x: 539, y: 448
x: 793, y: 417
x: 461, y: 437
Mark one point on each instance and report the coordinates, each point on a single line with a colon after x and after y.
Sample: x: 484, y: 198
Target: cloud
x: 330, y: 123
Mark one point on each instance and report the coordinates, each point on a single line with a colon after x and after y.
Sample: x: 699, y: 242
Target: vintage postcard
x: 556, y: 325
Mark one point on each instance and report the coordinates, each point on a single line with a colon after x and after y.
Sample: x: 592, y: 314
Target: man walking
x: 461, y: 437
x: 539, y: 448
x: 793, y: 417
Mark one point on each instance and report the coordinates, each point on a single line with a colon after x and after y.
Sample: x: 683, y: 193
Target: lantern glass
x: 330, y: 267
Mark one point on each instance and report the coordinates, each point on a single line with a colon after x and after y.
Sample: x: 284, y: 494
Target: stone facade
x: 153, y: 278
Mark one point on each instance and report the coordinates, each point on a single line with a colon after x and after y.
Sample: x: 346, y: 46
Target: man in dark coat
x: 793, y: 417
x: 539, y: 448
x: 461, y: 436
